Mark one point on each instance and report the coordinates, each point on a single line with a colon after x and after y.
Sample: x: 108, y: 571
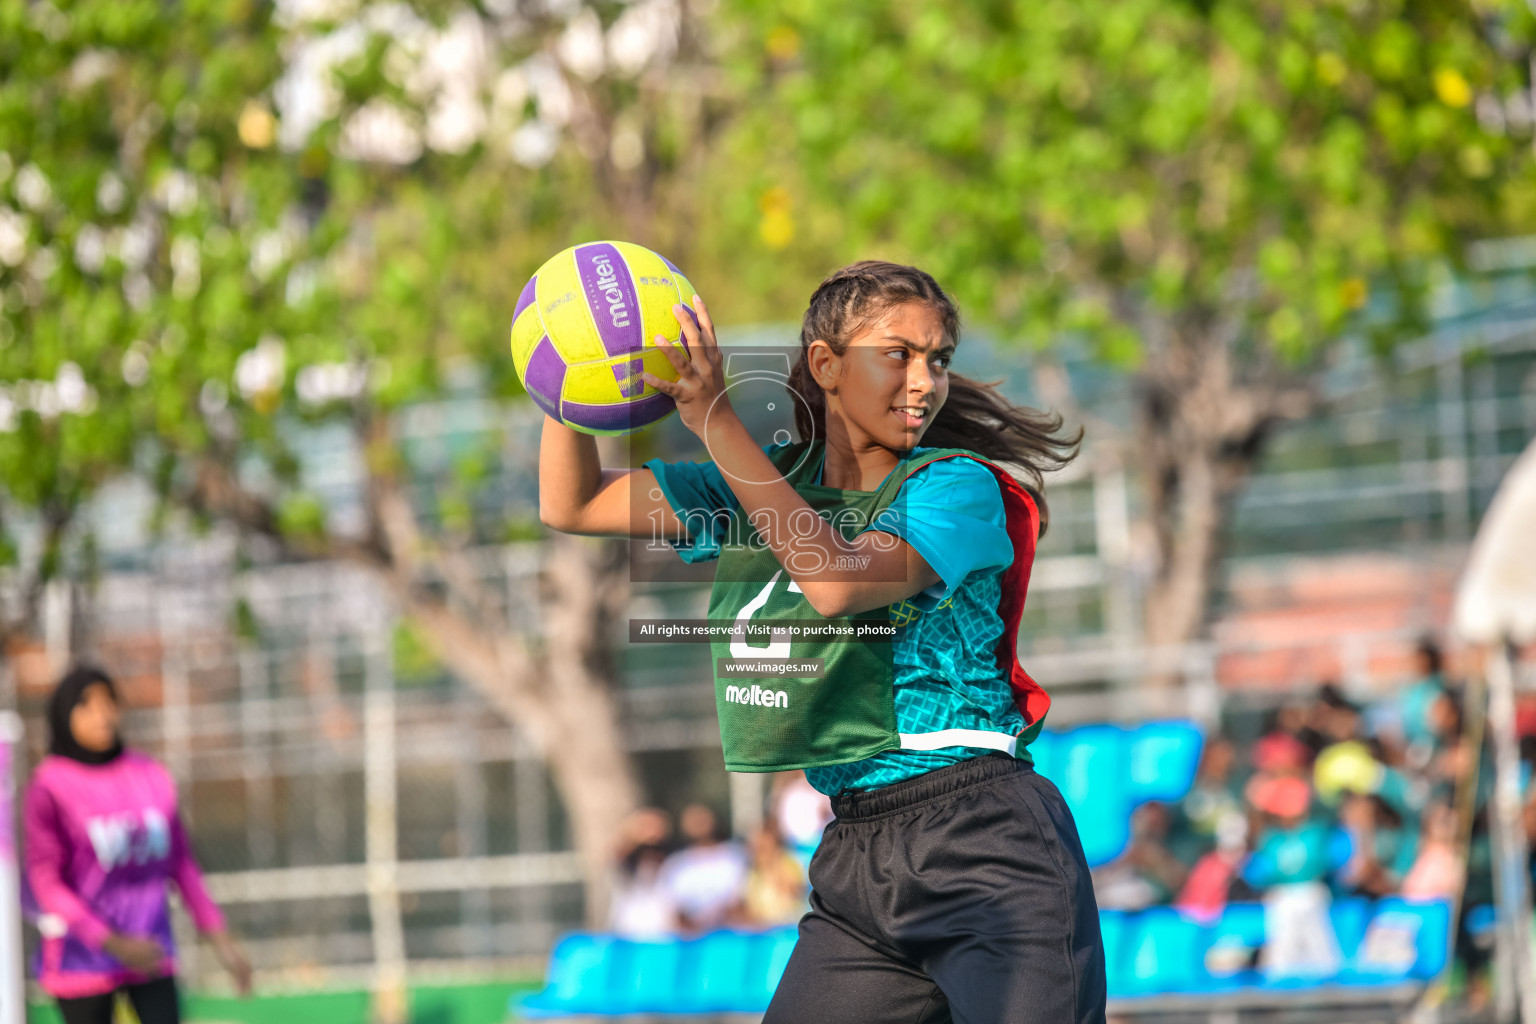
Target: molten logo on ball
x: 608, y: 286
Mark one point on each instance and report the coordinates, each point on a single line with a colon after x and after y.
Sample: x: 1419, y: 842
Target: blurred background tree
x: 220, y: 228
x: 1210, y: 195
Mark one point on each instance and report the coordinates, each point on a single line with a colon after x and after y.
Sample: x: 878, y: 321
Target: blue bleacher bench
x: 1153, y: 952
x: 1105, y: 772
x: 722, y: 972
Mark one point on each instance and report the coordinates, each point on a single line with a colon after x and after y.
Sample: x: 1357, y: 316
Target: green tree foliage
x: 144, y: 245
x: 1206, y: 192
x: 218, y: 224
x: 226, y: 220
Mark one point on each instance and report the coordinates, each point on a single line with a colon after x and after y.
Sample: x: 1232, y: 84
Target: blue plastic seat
x: 1350, y: 918
x: 722, y: 972
x: 1117, y: 931
x: 713, y: 973
x: 1168, y: 954
x: 1403, y: 940
x: 645, y: 978
x: 1043, y: 750
x: 1242, y: 921
x: 1162, y: 759
x: 1090, y: 772
x: 1434, y: 935
x: 1151, y: 952
x: 1233, y: 938
x: 1104, y: 772
x: 579, y: 968
x: 767, y: 955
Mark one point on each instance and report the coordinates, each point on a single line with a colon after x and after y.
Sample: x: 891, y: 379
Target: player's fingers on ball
x: 672, y: 351
x: 702, y: 312
x: 688, y: 322
x: 666, y: 387
x: 700, y: 333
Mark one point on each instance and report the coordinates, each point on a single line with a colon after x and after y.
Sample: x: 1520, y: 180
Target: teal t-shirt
x: 951, y: 512
x: 1309, y: 852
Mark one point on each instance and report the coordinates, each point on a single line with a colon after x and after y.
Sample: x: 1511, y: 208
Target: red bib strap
x: 1023, y: 524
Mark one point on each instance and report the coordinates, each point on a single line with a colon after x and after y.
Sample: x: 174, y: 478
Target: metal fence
x: 353, y: 819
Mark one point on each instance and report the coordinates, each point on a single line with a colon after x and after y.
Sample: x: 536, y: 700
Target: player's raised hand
x: 699, y: 390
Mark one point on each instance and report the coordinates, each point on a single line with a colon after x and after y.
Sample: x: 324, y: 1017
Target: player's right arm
x: 577, y: 495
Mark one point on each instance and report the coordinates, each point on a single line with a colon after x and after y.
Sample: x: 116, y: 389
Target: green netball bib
x: 808, y: 693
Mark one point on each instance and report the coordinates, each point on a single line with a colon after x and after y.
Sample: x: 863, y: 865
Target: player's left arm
x: 838, y: 576
x: 877, y: 569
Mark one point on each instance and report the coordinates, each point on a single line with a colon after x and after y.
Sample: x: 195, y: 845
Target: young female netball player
x: 952, y: 884
x: 103, y: 839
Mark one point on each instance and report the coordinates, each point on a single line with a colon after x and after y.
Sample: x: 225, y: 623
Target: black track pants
x: 154, y: 1001
x: 961, y: 895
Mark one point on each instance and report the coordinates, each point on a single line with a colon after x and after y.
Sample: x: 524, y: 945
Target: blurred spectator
x: 1437, y: 872
x: 1294, y: 856
x: 1146, y: 873
x: 706, y: 878
x: 1292, y: 846
x: 1330, y: 803
x: 1525, y: 724
x: 1474, y: 947
x: 1213, y: 798
x: 1210, y: 881
x: 800, y: 813
x: 1457, y: 761
x: 1289, y: 718
x: 776, y: 888
x: 1338, y: 719
x: 1320, y: 726
x: 1415, y: 700
x: 643, y: 907
x: 648, y: 826
x: 1279, y: 753
x: 1381, y: 847
x: 1351, y: 763
x: 1346, y: 768
x: 1527, y: 819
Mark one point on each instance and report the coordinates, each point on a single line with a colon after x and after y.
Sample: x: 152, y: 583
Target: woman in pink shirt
x: 103, y: 837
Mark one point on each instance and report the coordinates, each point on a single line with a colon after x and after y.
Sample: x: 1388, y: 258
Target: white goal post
x: 12, y: 998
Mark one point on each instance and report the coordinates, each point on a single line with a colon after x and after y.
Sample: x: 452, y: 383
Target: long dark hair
x: 974, y: 417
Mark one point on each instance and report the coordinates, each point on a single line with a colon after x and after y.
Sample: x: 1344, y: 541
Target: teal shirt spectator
x: 952, y: 512
x: 1413, y: 709
x: 1396, y: 848
x: 1309, y: 852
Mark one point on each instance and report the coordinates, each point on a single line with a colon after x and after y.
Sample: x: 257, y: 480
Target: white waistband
x: 1007, y: 742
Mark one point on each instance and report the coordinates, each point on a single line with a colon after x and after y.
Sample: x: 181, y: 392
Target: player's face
x: 895, y: 375
x: 94, y: 720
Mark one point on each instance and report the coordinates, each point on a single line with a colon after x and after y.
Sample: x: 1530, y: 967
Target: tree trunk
x: 585, y: 592
x: 1190, y: 509
x: 564, y: 697
x: 1188, y: 515
x: 1202, y: 429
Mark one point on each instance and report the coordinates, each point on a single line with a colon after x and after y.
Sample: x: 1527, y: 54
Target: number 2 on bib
x: 779, y: 648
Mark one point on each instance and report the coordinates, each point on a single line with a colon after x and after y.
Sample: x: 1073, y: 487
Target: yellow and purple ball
x: 584, y: 331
